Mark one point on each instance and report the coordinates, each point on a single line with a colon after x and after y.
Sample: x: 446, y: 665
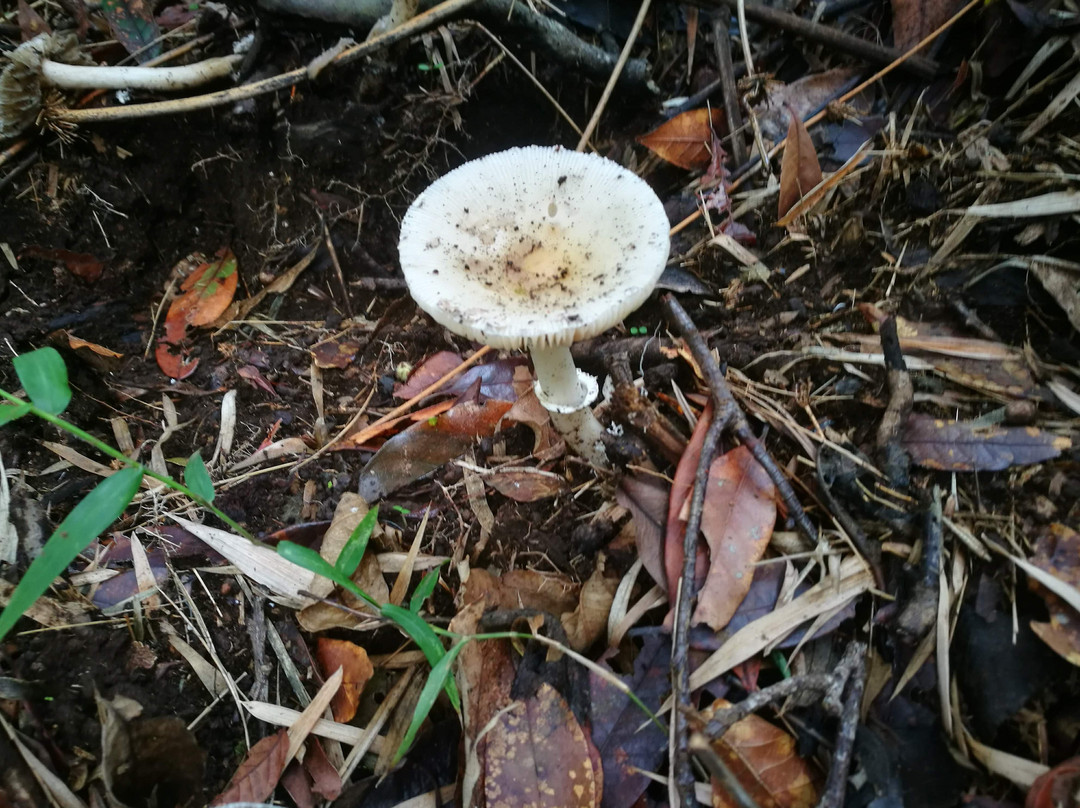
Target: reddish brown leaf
x: 207, y: 292
x: 82, y: 265
x: 526, y: 485
x: 357, y: 670
x: 681, y: 487
x: 1056, y: 787
x: 547, y: 443
x: 325, y: 781
x: 254, y: 375
x: 960, y: 446
x: 428, y: 372
x: 296, y: 782
x: 76, y: 344
x: 913, y: 20
x: 737, y: 520
x: 800, y: 170
x: 686, y: 140
x: 763, y: 759
x: 647, y: 499
x: 30, y: 22
x: 174, y: 360
x: 258, y: 775
x: 426, y: 446
x: 805, y: 97
x: 538, y: 755
x: 335, y: 353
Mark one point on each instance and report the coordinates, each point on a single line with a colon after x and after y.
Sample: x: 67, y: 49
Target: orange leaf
x: 207, y: 291
x: 356, y: 669
x: 258, y: 775
x: 681, y: 487
x: 800, y: 170
x: 762, y: 757
x: 686, y: 140
x: 737, y: 519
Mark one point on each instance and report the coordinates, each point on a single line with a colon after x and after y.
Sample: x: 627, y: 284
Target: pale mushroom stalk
x: 135, y: 77
x: 566, y: 394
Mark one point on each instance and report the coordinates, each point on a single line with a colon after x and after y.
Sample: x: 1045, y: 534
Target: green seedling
x: 44, y: 378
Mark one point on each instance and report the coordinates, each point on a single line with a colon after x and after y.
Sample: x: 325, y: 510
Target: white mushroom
x: 534, y: 248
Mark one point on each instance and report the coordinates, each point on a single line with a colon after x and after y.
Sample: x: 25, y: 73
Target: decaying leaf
x: 802, y: 98
x: 82, y: 265
x: 646, y: 497
x: 959, y: 446
x: 356, y: 668
x: 763, y: 759
x: 526, y: 484
x: 258, y: 776
x: 681, y: 487
x: 586, y: 624
x: 538, y: 755
x: 737, y: 520
x: 553, y: 593
x: 913, y: 20
x: 1057, y: 551
x: 427, y: 446
x: 338, y: 352
x: 686, y: 140
x: 800, y: 170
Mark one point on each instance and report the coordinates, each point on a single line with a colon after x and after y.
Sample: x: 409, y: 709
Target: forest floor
x: 944, y: 492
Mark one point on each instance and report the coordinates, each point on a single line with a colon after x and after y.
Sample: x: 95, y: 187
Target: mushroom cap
x: 533, y: 247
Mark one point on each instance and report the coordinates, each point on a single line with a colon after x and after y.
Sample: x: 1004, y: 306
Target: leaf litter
x: 957, y: 233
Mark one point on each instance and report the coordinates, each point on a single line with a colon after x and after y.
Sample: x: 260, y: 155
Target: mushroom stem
x: 566, y: 394
x: 107, y: 77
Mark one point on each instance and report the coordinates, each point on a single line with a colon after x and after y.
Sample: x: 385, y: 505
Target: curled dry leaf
x: 800, y: 170
x: 587, y: 622
x: 356, y: 670
x: 763, y: 759
x: 686, y: 140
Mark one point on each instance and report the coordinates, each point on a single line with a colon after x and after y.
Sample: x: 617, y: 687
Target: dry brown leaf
x: 913, y: 20
x: 356, y: 669
x: 587, y: 622
x: 686, y: 140
x: 737, y: 519
x: 763, y: 759
x: 258, y: 776
x: 522, y: 589
x: 800, y: 170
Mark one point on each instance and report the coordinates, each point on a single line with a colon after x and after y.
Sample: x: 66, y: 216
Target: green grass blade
x: 310, y: 560
x: 43, y: 375
x: 353, y: 551
x: 426, y: 640
x: 9, y: 412
x: 87, y: 520
x: 437, y: 680
x: 197, y: 478
x: 424, y: 590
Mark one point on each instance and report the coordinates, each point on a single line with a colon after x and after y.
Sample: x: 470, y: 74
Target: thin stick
x: 418, y: 24
x: 727, y: 83
x: 945, y: 26
x: 634, y: 31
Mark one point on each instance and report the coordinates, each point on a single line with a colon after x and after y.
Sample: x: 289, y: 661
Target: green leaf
x: 426, y: 640
x: 9, y: 412
x: 353, y: 551
x: 44, y: 377
x: 87, y: 520
x: 134, y: 27
x: 310, y: 560
x: 197, y: 478
x: 437, y: 680
x: 424, y: 590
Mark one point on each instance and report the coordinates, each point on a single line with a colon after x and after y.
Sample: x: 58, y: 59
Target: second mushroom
x: 532, y: 249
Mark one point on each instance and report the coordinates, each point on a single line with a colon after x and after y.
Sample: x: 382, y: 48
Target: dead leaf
x: 737, y: 519
x: 961, y: 446
x: 1057, y: 551
x: 763, y: 759
x: 335, y: 353
x: 682, y: 486
x: 1063, y: 284
x: 538, y: 755
x: 914, y: 20
x: 553, y: 593
x: 526, y: 484
x: 325, y: 780
x: 82, y: 265
x: 646, y: 497
x: 803, y: 98
x: 427, y: 373
x: 427, y: 446
x: 207, y: 292
x: 356, y: 672
x: 547, y: 443
x: 686, y: 140
x: 258, y: 776
x: 800, y: 170
x: 588, y: 622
